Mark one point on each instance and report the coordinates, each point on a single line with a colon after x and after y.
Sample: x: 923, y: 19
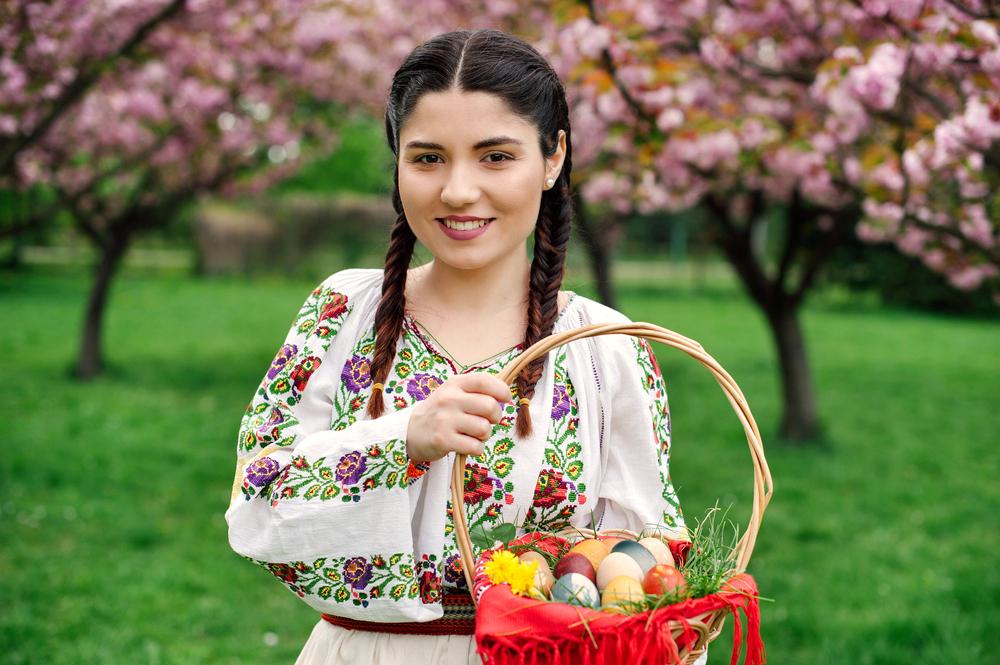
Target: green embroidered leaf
x: 342, y: 594
x: 398, y: 591
x: 318, y: 563
x: 574, y: 469
x: 325, y: 591
x: 414, y: 590
x: 394, y: 559
x: 503, y: 466
x: 318, y: 463
x: 503, y: 446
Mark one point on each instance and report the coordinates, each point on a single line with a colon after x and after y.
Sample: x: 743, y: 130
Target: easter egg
x: 575, y: 563
x: 595, y: 551
x: 543, y: 574
x: 575, y: 589
x: 662, y: 579
x: 642, y: 556
x: 621, y: 589
x: 615, y: 565
x: 659, y: 549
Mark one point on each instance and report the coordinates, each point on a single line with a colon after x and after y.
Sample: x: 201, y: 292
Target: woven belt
x: 459, y: 619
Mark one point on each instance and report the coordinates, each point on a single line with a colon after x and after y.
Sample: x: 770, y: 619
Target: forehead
x: 459, y: 119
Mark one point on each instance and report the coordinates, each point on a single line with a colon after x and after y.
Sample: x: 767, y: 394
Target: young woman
x: 345, y: 450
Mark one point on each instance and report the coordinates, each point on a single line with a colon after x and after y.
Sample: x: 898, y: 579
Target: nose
x: 460, y: 189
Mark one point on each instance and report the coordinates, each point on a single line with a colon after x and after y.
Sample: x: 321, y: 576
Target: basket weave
x: 707, y: 625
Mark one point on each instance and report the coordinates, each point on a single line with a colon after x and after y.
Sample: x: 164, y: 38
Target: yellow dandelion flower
x: 505, y: 568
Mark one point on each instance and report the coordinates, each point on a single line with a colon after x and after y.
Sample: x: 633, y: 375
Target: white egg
x: 576, y: 589
x: 617, y: 564
x: 659, y: 549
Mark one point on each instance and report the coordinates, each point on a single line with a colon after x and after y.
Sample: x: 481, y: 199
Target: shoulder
x: 353, y: 282
x: 614, y: 352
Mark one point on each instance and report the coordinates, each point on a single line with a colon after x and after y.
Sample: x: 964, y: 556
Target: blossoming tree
x: 844, y: 116
x: 202, y: 96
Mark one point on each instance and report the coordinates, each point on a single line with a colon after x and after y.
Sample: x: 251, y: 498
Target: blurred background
x: 809, y: 189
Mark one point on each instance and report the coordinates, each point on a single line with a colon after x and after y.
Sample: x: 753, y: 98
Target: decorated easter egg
x: 615, y: 565
x: 575, y: 563
x: 575, y: 589
x: 543, y: 574
x: 659, y: 549
x: 621, y: 589
x: 642, y: 556
x: 595, y: 550
x: 662, y: 579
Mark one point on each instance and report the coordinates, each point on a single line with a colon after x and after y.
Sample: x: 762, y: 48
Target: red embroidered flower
x: 413, y: 471
x: 283, y: 572
x: 550, y: 489
x: 430, y: 587
x: 335, y: 305
x: 300, y: 375
x: 478, y: 486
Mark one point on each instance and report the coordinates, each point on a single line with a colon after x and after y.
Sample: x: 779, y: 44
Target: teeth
x: 465, y: 226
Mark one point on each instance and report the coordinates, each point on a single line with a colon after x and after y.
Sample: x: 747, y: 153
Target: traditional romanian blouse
x: 327, y: 500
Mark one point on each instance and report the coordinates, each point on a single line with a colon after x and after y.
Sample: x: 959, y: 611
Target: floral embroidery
x: 381, y: 465
x: 654, y: 383
x: 269, y: 419
x: 557, y: 492
x: 359, y: 579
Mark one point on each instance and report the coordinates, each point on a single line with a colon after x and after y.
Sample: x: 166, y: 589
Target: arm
x: 329, y: 509
x: 636, y: 489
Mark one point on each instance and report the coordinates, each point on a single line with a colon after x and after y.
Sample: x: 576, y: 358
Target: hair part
x: 498, y: 63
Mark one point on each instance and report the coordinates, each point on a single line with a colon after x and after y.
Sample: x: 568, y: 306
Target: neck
x: 473, y: 293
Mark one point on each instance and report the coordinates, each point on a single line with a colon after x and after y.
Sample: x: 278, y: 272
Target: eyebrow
x: 485, y: 143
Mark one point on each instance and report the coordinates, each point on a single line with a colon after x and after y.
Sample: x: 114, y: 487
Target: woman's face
x: 467, y: 154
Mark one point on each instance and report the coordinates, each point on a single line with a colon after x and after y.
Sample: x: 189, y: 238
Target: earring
x: 549, y: 183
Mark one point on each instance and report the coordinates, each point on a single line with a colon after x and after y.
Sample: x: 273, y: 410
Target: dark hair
x: 495, y: 62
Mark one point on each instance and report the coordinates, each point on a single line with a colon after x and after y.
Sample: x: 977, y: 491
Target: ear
x: 553, y: 164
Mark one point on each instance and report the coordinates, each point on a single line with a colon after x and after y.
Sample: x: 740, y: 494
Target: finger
x: 484, y: 406
x: 487, y: 384
x: 467, y: 445
x: 474, y: 426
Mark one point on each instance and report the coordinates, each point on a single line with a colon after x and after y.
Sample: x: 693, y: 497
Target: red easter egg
x: 575, y: 563
x: 663, y: 578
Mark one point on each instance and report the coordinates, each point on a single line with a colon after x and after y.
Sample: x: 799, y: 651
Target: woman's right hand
x: 458, y: 415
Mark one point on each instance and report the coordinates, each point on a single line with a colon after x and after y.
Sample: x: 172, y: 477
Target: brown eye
x: 503, y: 157
x: 420, y: 159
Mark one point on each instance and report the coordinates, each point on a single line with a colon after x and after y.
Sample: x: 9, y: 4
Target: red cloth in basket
x: 515, y: 630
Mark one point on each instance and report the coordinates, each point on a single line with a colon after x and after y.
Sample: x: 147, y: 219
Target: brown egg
x: 576, y: 563
x: 595, y: 551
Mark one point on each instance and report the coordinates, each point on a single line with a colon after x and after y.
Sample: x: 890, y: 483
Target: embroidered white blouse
x: 327, y: 500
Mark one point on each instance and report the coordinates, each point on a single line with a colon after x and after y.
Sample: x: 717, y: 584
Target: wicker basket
x: 706, y: 626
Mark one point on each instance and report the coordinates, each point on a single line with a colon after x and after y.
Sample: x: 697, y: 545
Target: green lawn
x: 879, y: 547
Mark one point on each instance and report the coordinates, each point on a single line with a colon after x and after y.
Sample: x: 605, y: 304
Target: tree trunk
x: 799, y: 423
x: 596, y: 242
x: 91, y: 359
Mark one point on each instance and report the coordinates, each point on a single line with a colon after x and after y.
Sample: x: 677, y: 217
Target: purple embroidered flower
x: 272, y: 423
x: 421, y: 385
x: 262, y: 471
x: 560, y: 402
x: 350, y: 467
x: 453, y: 570
x: 357, y: 572
x: 285, y: 354
x: 357, y: 373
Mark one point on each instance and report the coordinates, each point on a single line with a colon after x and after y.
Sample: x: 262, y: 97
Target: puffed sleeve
x: 324, y: 501
x: 636, y: 489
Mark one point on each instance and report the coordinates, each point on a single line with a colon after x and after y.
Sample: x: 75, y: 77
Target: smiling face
x: 466, y: 154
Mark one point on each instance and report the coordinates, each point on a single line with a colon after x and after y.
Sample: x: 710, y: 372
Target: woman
x: 345, y: 451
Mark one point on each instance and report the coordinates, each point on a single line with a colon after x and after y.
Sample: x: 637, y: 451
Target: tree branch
x: 86, y: 76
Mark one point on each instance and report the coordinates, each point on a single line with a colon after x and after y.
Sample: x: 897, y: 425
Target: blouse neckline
x: 417, y: 329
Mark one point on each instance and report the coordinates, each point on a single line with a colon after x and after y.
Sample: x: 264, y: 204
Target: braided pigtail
x: 547, y: 269
x: 392, y: 305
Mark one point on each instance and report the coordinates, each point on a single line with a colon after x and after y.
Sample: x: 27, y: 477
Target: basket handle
x: 762, y: 486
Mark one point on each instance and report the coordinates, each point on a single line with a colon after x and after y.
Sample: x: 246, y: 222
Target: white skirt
x: 333, y: 645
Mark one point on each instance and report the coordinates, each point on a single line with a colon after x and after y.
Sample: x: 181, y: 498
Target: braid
x: 551, y: 237
x: 392, y: 306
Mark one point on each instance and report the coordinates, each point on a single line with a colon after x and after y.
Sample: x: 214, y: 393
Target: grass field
x: 880, y: 545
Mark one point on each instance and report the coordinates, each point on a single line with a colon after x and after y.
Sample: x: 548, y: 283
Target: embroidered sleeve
x: 636, y: 487
x: 328, y: 510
